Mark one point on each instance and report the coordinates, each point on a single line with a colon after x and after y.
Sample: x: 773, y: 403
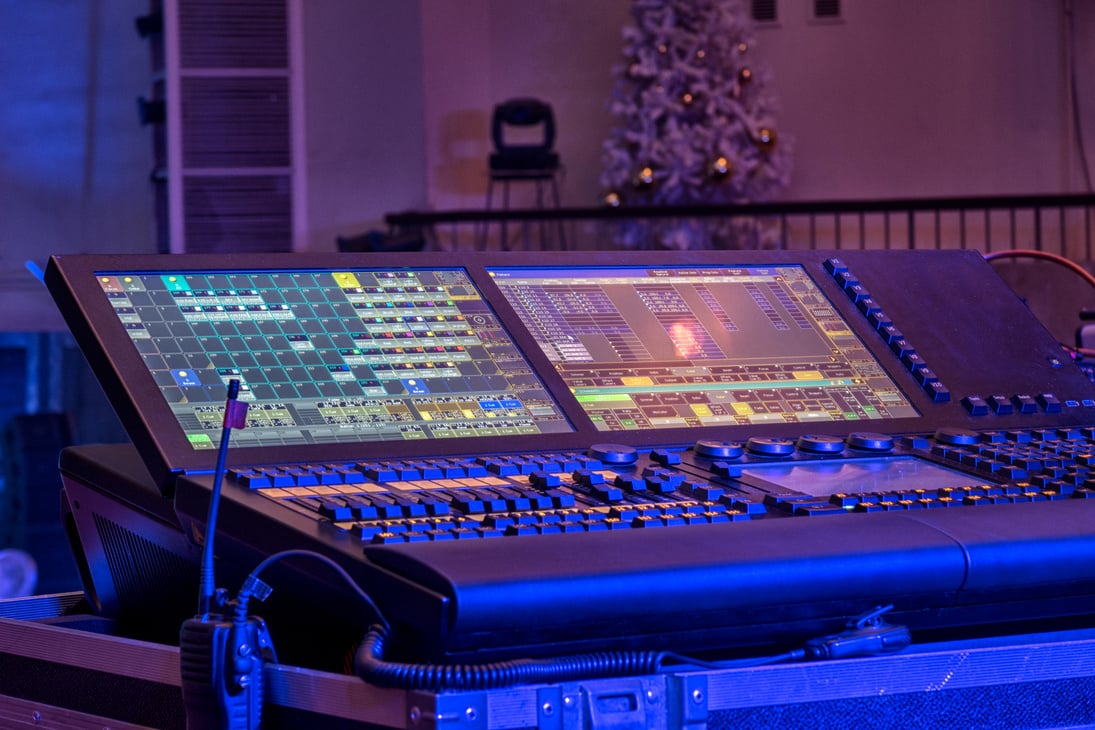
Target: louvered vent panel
x: 135, y: 563
x: 233, y: 34
x: 764, y: 11
x: 235, y: 121
x: 827, y: 9
x: 240, y: 213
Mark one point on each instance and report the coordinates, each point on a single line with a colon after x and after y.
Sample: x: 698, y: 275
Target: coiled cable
x: 370, y: 665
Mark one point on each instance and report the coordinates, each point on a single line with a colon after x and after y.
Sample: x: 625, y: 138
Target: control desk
x: 526, y: 454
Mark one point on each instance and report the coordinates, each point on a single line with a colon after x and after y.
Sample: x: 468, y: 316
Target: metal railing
x: 1059, y: 224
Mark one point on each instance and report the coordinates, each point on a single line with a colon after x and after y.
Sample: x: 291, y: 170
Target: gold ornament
x: 745, y: 75
x: 720, y: 169
x: 612, y: 200
x: 663, y: 49
x: 766, y: 139
x: 743, y: 47
x: 687, y: 99
x: 701, y: 54
x: 644, y: 178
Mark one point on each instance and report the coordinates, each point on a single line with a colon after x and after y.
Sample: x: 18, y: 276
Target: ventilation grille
x: 764, y: 11
x: 246, y: 213
x: 235, y: 122
x: 136, y: 564
x: 826, y: 9
x: 230, y: 188
x: 233, y: 34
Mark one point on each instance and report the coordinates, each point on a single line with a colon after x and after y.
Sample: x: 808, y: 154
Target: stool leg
x: 561, y: 223
x: 484, y: 226
x: 504, y: 245
x: 543, y: 223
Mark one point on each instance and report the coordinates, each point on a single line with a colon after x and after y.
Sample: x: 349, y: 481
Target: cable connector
x: 866, y: 635
x: 254, y: 587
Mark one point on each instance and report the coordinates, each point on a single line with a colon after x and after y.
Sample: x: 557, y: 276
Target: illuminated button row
x: 541, y: 523
x: 1002, y: 405
x: 381, y: 472
x: 890, y: 334
x: 916, y: 499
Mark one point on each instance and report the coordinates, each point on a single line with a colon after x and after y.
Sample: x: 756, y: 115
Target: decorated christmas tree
x: 695, y: 125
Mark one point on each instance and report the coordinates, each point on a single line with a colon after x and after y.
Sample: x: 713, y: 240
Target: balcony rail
x: 1056, y: 224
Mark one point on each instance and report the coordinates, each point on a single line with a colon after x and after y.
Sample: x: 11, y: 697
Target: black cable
x: 866, y: 635
x: 370, y: 665
x: 1077, y: 120
x: 252, y: 584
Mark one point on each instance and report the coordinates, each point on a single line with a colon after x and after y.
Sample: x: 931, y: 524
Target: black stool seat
x: 535, y: 162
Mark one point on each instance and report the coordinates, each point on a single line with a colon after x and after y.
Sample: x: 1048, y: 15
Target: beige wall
x: 901, y: 98
x: 363, y: 114
x: 925, y: 98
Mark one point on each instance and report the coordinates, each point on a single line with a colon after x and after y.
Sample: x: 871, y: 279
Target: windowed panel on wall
x: 229, y: 170
x: 768, y: 12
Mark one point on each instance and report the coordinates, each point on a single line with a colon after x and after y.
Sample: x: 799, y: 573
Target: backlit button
x: 728, y: 471
x: 835, y: 266
x: 846, y: 279
x: 817, y: 508
x: 1024, y: 403
x: 502, y: 468
x: 915, y: 442
x: 938, y: 392
x: 890, y: 333
x: 913, y: 361
x: 252, y: 480
x: 901, y: 347
x: 867, y: 305
x: 857, y: 292
x: 1000, y: 405
x: 925, y: 376
x: 976, y: 405
x: 665, y: 457
x: 707, y: 492
x: 607, y: 493
x: 587, y: 477
x: 879, y: 319
x: 1049, y: 402
x: 744, y: 506
x: 543, y: 479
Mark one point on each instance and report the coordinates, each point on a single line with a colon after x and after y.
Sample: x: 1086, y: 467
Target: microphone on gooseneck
x: 222, y: 651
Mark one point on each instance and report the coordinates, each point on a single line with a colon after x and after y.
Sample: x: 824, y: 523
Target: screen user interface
x: 331, y: 356
x: 644, y: 348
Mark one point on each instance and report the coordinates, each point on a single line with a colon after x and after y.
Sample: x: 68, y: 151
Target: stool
x: 510, y: 163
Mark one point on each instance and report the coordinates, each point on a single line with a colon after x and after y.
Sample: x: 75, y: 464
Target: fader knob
x: 821, y: 444
x: 870, y: 441
x: 615, y: 454
x: 956, y: 437
x: 719, y: 449
x: 763, y: 446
